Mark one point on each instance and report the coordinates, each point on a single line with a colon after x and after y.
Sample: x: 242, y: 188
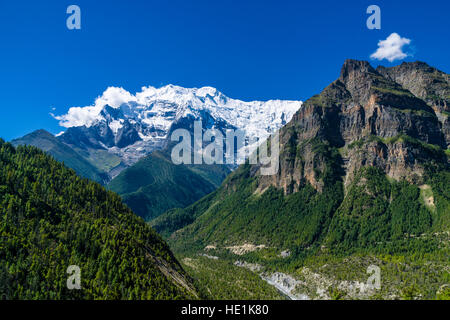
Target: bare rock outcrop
x: 367, y: 117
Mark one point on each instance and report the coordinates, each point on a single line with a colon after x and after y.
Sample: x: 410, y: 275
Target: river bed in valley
x: 285, y: 284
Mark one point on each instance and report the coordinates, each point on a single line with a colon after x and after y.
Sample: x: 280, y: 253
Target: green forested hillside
x: 50, y: 219
x: 62, y: 152
x: 154, y: 184
x: 374, y: 210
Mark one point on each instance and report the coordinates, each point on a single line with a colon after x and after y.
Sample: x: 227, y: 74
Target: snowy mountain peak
x: 132, y: 125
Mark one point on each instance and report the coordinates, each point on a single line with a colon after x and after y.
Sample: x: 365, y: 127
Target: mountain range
x: 363, y: 174
x: 138, y: 124
x: 124, y: 136
x: 363, y: 183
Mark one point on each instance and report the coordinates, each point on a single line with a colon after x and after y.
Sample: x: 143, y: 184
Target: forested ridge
x: 63, y: 153
x: 154, y: 184
x: 51, y: 219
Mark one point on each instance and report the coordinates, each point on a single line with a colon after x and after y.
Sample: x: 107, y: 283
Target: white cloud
x: 391, y: 48
x: 78, y: 116
x: 114, y: 97
x: 85, y: 116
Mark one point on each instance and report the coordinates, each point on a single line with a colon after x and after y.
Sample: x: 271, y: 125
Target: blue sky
x: 249, y: 50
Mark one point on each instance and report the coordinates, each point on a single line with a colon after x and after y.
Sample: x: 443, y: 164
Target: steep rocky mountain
x: 364, y: 170
x: 63, y: 153
x: 132, y: 126
x: 51, y: 219
x: 154, y: 184
x: 388, y: 125
x: 426, y: 83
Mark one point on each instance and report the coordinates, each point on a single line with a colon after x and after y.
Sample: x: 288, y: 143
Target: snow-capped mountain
x: 131, y: 126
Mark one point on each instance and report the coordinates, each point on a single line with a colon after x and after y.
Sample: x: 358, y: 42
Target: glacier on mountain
x: 133, y: 125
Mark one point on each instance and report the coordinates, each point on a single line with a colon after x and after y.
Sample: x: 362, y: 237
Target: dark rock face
x: 426, y: 83
x: 96, y: 137
x: 370, y: 119
x: 110, y: 113
x: 357, y: 77
x: 126, y: 135
x: 100, y: 135
x: 445, y: 120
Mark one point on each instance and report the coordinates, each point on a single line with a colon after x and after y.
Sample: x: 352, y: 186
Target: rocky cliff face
x: 426, y: 83
x: 423, y: 81
x: 365, y: 118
